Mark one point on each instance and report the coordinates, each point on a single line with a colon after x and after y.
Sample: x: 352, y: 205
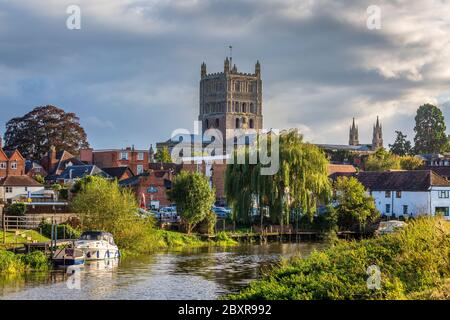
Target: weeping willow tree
x: 297, y: 187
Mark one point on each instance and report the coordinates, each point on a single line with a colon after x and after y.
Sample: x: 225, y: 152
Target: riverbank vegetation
x: 11, y: 263
x: 414, y: 263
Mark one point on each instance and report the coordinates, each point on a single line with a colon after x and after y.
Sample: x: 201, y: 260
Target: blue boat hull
x: 68, y: 262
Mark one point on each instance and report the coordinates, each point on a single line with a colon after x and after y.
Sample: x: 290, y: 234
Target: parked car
x: 221, y: 212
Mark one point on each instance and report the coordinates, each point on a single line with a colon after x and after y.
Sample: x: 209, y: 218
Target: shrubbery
x: 412, y: 261
x: 19, y: 263
x: 65, y: 231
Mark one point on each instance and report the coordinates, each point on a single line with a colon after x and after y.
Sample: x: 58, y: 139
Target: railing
x: 25, y: 222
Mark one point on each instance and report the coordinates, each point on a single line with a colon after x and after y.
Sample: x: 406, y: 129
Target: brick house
x: 55, y: 163
x: 119, y: 173
x: 136, y: 160
x: 153, y: 184
x: 11, y: 163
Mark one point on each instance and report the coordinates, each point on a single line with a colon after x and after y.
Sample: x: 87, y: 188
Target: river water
x: 203, y: 273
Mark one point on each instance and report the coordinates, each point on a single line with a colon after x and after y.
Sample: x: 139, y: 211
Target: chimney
x: 52, y: 161
x: 87, y: 155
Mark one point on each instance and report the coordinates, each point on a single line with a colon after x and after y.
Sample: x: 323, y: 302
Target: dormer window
x: 14, y: 165
x: 3, y: 165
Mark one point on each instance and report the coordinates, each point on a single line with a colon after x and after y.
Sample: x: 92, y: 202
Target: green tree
x: 401, y: 146
x: 34, y: 133
x: 193, y: 196
x: 410, y: 163
x: 300, y: 183
x: 430, y: 130
x: 39, y: 179
x: 382, y: 160
x: 163, y: 155
x: 102, y: 205
x: 354, y: 207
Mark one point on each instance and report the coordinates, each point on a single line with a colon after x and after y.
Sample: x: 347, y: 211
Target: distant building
x: 119, y: 173
x: 406, y: 193
x: 136, y: 160
x: 55, y: 163
x: 153, y: 184
x: 34, y: 168
x: 77, y: 172
x: 11, y: 163
x: 18, y: 186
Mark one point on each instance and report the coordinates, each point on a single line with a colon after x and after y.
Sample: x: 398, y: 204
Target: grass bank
x: 12, y: 239
x: 11, y: 263
x: 414, y: 263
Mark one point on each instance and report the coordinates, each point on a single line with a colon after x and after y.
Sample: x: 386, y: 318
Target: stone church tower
x: 353, y: 139
x: 231, y: 99
x: 377, y: 140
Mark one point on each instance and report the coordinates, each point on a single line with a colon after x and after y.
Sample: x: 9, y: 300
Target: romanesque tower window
x: 244, y: 107
x: 252, y: 125
x: 237, y: 123
x: 217, y: 123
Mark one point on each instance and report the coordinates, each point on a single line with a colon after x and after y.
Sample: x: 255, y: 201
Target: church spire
x: 377, y: 140
x: 353, y: 134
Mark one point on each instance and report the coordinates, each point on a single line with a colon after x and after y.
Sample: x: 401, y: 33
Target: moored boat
x: 68, y: 257
x: 97, y: 245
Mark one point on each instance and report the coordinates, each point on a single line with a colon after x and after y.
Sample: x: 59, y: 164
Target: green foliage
x: 410, y: 163
x: 163, y: 155
x: 64, y: 231
x: 412, y: 261
x: 102, y: 205
x: 354, y: 206
x: 401, y: 146
x: 39, y: 179
x: 17, y: 209
x: 430, y: 130
x: 301, y: 181
x: 210, y: 220
x: 56, y: 187
x: 382, y: 160
x: 193, y: 196
x: 11, y: 263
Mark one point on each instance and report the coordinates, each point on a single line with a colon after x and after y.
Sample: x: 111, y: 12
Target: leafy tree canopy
x: 163, y: 156
x: 401, y: 146
x: 34, y: 133
x: 354, y: 206
x: 430, y: 130
x: 193, y: 196
x: 299, y: 184
x: 382, y: 160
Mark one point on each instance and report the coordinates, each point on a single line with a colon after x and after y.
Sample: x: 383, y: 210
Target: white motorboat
x: 97, y: 245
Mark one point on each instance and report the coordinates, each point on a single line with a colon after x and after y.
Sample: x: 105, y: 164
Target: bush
x: 412, y: 261
x: 63, y: 231
x: 18, y: 263
x: 17, y: 209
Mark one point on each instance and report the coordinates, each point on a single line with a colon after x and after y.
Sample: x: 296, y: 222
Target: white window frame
x: 14, y: 165
x: 139, y: 169
x: 443, y: 194
x: 9, y: 189
x: 140, y: 156
x: 124, y: 155
x: 3, y: 165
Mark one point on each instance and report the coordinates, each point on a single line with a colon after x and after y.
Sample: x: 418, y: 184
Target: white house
x: 14, y: 186
x: 408, y: 193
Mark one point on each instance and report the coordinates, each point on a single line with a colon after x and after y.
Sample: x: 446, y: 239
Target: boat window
x: 88, y: 236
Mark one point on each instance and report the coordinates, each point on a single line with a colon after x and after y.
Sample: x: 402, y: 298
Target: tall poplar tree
x: 430, y: 130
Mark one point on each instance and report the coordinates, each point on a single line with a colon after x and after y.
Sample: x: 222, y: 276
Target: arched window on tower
x: 252, y: 108
x: 236, y: 106
x: 217, y: 123
x: 252, y: 124
x: 244, y: 107
x: 207, y: 124
x: 237, y: 123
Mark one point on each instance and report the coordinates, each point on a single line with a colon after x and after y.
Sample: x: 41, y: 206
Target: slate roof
x: 19, y: 181
x: 408, y: 180
x: 117, y: 172
x: 80, y: 171
x: 442, y: 171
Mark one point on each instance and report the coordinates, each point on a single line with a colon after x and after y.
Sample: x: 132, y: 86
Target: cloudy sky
x: 131, y: 72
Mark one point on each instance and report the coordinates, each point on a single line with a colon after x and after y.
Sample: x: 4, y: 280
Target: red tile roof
x: 345, y: 168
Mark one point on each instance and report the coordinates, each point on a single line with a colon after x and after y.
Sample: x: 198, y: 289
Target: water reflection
x: 203, y: 273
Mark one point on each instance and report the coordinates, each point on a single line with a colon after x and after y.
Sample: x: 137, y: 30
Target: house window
x: 139, y: 169
x: 387, y: 194
x: 405, y: 209
x: 124, y: 156
x: 388, y: 208
x: 14, y: 165
x: 9, y: 189
x: 3, y: 165
x: 398, y: 194
x: 442, y: 211
x: 443, y: 194
x: 140, y: 156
